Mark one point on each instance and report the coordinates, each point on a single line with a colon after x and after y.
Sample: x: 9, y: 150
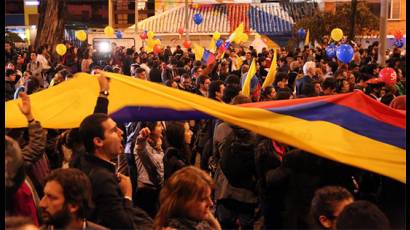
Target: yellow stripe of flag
x: 307, y: 39
x: 246, y: 88
x: 198, y: 51
x: 212, y: 46
x: 270, y: 78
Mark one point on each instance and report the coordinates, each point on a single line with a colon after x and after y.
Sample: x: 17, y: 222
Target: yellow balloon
x: 109, y: 31
x: 150, y: 34
x: 150, y: 43
x: 157, y: 42
x: 216, y: 35
x: 149, y: 49
x: 61, y: 49
x: 336, y: 34
x: 81, y: 35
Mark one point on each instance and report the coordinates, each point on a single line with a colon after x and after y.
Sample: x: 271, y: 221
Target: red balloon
x: 398, y: 35
x: 388, y: 76
x: 187, y: 44
x: 143, y: 36
x: 157, y: 49
x: 181, y: 30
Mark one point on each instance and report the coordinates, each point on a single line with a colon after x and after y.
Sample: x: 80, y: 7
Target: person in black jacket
x: 112, y: 192
x: 155, y: 73
x: 9, y: 84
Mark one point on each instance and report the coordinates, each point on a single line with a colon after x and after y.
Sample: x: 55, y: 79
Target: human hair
x: 76, y: 188
x: 279, y: 77
x: 149, y: 124
x: 339, y: 85
x: 362, y: 214
x: 13, y: 164
x: 240, y: 99
x: 201, y: 79
x: 308, y: 90
x: 329, y: 83
x: 230, y: 92
x: 232, y: 79
x: 293, y: 65
x: 139, y: 70
x: 283, y: 95
x: 197, y: 63
x: 169, y: 82
x: 185, y: 186
x: 266, y: 92
x: 214, y: 86
x: 10, y: 72
x: 175, y: 134
x: 325, y: 200
x: 308, y: 65
x: 195, y: 69
x: 91, y: 127
x: 185, y: 76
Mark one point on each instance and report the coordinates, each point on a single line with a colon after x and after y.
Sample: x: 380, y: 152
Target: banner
x: 349, y: 128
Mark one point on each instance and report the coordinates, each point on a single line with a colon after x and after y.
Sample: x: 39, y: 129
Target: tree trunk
x: 50, y: 28
x: 353, y: 20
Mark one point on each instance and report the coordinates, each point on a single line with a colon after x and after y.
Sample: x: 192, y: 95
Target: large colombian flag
x: 349, y: 128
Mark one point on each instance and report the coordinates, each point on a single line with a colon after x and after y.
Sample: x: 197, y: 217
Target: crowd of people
x: 196, y: 174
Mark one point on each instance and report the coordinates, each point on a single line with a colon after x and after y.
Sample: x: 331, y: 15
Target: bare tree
x: 50, y: 28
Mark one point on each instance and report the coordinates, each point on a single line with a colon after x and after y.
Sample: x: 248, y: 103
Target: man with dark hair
x: 283, y: 65
x: 185, y: 83
x: 67, y: 200
x: 328, y: 86
x: 327, y: 204
x: 362, y: 215
x: 141, y: 74
x: 178, y: 52
x: 10, y: 53
x: 112, y: 193
x: 202, y: 85
x: 155, y: 73
x: 216, y: 90
x: 232, y: 88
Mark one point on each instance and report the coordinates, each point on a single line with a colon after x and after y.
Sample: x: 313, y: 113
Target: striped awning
x: 263, y: 18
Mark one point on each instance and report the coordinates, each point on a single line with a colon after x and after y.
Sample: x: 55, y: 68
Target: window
x: 393, y: 7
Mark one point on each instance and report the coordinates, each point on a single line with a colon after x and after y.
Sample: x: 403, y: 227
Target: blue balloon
x: 344, y: 53
x: 399, y: 43
x: 118, y: 34
x: 331, y: 50
x: 301, y: 33
x: 197, y: 19
x: 219, y: 43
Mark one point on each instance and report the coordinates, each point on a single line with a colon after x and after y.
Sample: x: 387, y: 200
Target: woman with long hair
x: 178, y: 154
x: 186, y: 201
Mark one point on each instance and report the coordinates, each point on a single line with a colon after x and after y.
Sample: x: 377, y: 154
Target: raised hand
x: 103, y: 80
x: 25, y: 106
x: 143, y: 134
